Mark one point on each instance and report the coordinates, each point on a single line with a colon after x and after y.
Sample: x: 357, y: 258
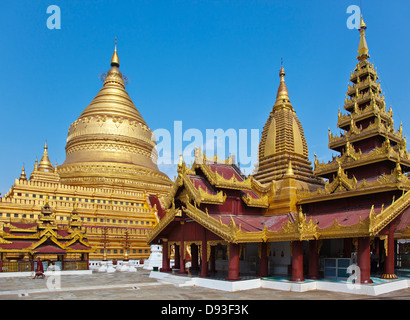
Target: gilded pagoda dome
x: 110, y: 144
x: 283, y: 141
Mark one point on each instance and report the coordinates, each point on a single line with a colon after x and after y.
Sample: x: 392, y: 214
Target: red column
x: 297, y: 261
x: 363, y: 259
x: 233, y: 258
x: 389, y: 260
x: 204, y: 255
x: 182, y: 251
x: 263, y: 262
x: 165, y: 258
x: 313, y: 272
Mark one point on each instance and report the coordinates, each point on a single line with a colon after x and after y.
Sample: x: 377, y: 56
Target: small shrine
x: 21, y: 243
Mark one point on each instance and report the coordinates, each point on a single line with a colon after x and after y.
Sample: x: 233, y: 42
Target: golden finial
x: 283, y: 94
x: 115, y: 61
x: 23, y: 174
x: 363, y: 49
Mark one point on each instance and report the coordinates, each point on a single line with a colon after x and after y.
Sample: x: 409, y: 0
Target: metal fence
x: 18, y: 266
x: 23, y: 266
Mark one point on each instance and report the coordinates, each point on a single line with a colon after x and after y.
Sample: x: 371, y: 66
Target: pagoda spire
x: 23, y: 174
x: 282, y: 97
x: 45, y: 163
x: 363, y: 49
x: 114, y: 76
x: 115, y: 61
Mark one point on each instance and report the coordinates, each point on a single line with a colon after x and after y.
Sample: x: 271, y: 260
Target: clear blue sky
x: 209, y: 64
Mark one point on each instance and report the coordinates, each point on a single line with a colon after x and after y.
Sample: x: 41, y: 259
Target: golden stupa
x: 108, y: 177
x: 110, y: 144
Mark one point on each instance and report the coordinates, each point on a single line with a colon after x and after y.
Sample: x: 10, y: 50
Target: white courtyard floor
x: 151, y: 285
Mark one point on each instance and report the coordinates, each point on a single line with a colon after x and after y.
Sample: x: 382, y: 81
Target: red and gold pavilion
x: 289, y: 218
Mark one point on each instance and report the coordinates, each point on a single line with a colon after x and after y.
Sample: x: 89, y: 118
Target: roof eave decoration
x: 343, y: 186
x: 378, y: 222
x: 262, y: 202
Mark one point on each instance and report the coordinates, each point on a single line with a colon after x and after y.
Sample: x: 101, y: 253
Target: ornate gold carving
x: 262, y: 202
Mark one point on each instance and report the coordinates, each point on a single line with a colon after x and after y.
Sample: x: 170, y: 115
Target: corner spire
x: 363, y: 49
x: 45, y: 164
x: 115, y: 61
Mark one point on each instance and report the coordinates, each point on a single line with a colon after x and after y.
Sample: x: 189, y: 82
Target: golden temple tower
x: 110, y: 145
x: 106, y: 181
x: 283, y: 154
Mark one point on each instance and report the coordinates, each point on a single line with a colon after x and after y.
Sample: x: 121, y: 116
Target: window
x: 34, y: 195
x: 16, y: 215
x: 41, y: 196
x: 115, y: 250
x: 101, y: 220
x: 19, y: 194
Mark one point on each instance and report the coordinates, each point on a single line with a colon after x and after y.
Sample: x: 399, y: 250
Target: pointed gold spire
x: 289, y: 170
x: 282, y: 96
x: 115, y: 61
x: 363, y: 49
x: 45, y: 163
x: 23, y: 174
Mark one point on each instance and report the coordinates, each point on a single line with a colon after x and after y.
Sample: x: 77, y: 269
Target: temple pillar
x: 313, y: 268
x: 182, y: 269
x: 212, y: 268
x: 165, y: 257
x: 390, y: 253
x: 233, y: 260
x: 297, y: 261
x: 204, y: 255
x: 176, y: 258
x: 263, y: 262
x: 194, y: 258
x: 363, y: 259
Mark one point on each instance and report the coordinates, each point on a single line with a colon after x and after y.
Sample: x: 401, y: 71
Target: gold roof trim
x: 378, y: 222
x: 262, y: 202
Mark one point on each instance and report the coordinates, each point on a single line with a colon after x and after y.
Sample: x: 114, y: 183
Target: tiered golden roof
x: 373, y: 155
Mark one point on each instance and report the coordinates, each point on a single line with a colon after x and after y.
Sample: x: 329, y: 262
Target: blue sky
x: 209, y: 64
